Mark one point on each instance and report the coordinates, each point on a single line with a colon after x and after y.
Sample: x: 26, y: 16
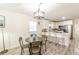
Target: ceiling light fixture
x: 39, y: 14
x: 63, y: 18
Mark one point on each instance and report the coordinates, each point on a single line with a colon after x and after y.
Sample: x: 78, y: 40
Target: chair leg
x: 30, y: 53
x: 22, y: 51
x: 39, y: 53
x: 45, y: 48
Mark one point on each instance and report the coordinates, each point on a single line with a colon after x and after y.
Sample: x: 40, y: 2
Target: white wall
x: 16, y: 25
x: 43, y: 24
x: 76, y: 35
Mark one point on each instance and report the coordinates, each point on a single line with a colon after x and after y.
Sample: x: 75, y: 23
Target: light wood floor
x: 52, y: 49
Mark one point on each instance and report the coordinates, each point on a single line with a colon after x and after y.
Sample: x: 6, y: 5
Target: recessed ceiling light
x: 63, y: 17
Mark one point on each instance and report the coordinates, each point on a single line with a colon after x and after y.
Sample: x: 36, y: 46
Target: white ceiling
x: 53, y: 11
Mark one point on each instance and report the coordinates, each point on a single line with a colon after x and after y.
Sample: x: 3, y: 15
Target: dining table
x: 32, y: 39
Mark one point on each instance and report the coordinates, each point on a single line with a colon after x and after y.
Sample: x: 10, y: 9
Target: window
x: 32, y: 26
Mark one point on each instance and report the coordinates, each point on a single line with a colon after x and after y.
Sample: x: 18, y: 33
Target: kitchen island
x: 59, y: 37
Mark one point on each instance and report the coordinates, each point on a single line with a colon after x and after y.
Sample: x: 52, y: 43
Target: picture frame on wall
x: 2, y: 21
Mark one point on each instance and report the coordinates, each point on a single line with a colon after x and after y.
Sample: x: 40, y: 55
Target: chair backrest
x: 36, y: 43
x: 21, y: 42
x: 33, y: 36
x: 44, y: 38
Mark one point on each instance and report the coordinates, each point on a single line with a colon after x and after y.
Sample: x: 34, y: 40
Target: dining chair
x: 22, y: 45
x: 35, y: 47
